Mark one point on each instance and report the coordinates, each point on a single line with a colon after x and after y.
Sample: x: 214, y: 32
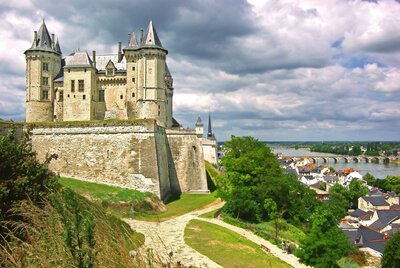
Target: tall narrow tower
x: 149, y: 82
x: 210, y: 135
x: 43, y: 63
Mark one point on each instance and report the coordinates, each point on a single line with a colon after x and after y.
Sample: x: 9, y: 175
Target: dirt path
x: 168, y: 236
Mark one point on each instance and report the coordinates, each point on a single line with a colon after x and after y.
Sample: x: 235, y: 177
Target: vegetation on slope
x: 227, y: 248
x: 43, y: 224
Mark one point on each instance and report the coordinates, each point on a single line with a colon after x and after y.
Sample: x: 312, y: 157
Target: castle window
x: 133, y: 94
x: 68, y: 95
x: 121, y: 97
x: 72, y: 85
x: 133, y: 68
x: 61, y: 96
x: 45, y: 66
x: 110, y: 71
x: 84, y: 96
x: 101, y: 95
x: 45, y: 95
x: 159, y: 113
x: 45, y: 81
x: 133, y: 79
x: 81, y: 85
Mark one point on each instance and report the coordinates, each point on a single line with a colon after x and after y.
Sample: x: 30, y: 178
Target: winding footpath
x: 168, y: 236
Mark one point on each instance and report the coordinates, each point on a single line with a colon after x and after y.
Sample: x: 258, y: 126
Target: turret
x: 148, y: 80
x: 199, y: 127
x: 43, y: 63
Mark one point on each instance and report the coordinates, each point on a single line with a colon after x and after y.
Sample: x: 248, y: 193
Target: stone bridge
x: 349, y: 159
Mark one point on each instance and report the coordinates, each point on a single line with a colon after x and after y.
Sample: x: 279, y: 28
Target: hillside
x: 43, y: 224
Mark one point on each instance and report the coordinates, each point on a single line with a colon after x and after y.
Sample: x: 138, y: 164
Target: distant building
x: 209, y: 143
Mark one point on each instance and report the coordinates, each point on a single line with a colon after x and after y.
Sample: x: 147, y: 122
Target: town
x: 375, y: 217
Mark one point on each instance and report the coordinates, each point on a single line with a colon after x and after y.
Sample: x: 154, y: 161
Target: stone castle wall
x: 187, y: 154
x: 135, y: 154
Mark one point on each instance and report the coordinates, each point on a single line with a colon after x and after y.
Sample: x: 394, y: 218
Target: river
x: 378, y: 170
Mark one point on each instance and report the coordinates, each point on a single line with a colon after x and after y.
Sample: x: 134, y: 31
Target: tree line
x: 355, y: 149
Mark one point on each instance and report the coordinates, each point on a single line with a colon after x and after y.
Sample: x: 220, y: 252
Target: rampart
x: 135, y: 154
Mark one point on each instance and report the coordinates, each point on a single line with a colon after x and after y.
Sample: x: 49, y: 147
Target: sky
x: 280, y: 70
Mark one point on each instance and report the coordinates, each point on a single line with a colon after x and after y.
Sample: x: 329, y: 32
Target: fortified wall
x: 133, y: 154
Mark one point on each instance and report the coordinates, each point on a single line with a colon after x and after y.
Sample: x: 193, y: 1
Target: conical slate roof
x: 199, y: 123
x: 43, y: 41
x: 148, y: 40
x: 57, y: 47
x: 151, y: 37
x: 132, y: 42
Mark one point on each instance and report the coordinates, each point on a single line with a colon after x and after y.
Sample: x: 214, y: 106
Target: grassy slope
x: 177, y: 207
x: 110, y: 194
x: 102, y: 192
x: 46, y: 245
x: 226, y: 247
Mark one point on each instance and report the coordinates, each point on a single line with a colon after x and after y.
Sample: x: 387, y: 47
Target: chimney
x: 52, y: 41
x: 94, y: 58
x: 141, y: 35
x: 119, y: 52
x: 34, y: 38
x: 129, y: 39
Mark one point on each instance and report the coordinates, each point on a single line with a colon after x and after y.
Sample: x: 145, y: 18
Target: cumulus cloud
x: 277, y: 70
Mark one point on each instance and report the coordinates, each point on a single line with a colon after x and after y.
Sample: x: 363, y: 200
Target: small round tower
x: 43, y: 64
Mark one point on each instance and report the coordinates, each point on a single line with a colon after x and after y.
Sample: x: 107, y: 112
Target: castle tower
x: 149, y: 83
x: 199, y: 127
x: 43, y: 63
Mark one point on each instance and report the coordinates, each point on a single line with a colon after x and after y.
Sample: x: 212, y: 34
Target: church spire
x: 209, y: 132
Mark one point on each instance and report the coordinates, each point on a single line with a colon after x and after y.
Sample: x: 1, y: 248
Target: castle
x: 134, y: 83
x: 143, y: 147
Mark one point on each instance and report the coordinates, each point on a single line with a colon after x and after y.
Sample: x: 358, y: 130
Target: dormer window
x: 110, y: 68
x: 110, y: 71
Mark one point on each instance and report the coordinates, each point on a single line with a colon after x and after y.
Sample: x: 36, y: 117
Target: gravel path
x: 167, y: 236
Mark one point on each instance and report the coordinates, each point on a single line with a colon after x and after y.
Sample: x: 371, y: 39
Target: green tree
x: 325, y: 244
x: 252, y: 175
x: 356, y: 190
x: 391, y: 254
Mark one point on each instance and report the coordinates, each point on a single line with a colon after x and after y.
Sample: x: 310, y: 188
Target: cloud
x: 277, y: 70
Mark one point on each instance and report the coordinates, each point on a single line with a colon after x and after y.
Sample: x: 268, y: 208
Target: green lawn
x: 184, y: 204
x: 227, y: 248
x: 286, y: 232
